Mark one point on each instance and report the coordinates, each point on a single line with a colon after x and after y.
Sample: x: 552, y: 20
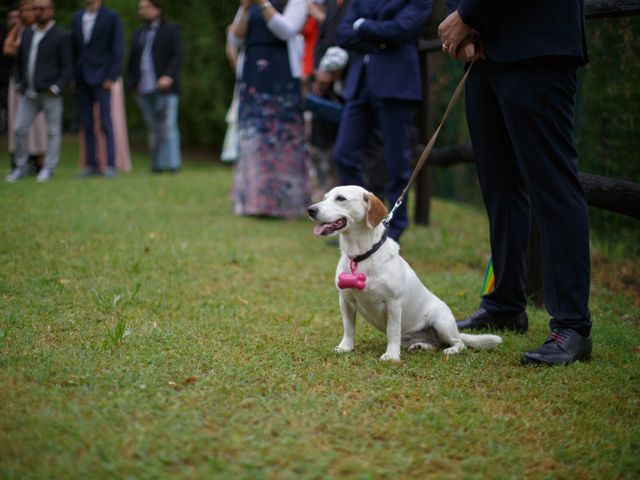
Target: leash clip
x: 387, y: 220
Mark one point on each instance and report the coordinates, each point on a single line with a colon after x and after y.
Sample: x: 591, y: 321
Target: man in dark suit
x: 98, y: 47
x: 154, y: 67
x: 43, y: 69
x: 381, y: 88
x: 520, y: 107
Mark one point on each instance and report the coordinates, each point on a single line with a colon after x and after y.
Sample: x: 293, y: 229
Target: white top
x: 88, y: 22
x: 287, y: 26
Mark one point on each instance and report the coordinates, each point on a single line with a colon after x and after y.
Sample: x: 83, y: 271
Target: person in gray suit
x: 44, y: 68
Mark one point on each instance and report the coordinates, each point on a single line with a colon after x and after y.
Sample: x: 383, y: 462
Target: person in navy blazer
x: 382, y: 85
x: 98, y: 46
x: 520, y: 98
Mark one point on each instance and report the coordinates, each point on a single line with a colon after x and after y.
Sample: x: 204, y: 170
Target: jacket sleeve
x: 175, y: 54
x: 477, y: 13
x: 20, y: 64
x: 347, y: 37
x: 65, y: 57
x: 405, y: 26
x: 117, y: 51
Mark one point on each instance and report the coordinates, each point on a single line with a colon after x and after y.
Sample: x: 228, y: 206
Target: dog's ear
x: 376, y: 212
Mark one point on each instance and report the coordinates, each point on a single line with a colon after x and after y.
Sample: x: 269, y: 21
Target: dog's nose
x: 312, y: 211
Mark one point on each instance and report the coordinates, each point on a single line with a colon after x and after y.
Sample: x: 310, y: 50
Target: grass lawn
x: 146, y: 332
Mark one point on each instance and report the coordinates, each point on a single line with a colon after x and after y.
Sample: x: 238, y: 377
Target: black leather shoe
x: 563, y: 346
x: 481, y: 319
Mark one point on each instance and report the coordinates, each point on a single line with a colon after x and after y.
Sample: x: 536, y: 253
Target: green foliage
x: 608, y: 134
x: 231, y: 372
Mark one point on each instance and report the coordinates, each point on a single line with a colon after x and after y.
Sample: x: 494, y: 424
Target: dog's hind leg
x: 348, y: 310
x: 425, y: 339
x: 414, y: 347
x: 449, y: 335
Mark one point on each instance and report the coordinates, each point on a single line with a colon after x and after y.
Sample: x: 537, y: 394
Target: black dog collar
x: 372, y: 250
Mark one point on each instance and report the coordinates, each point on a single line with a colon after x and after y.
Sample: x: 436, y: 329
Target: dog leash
x: 427, y: 150
x: 358, y: 280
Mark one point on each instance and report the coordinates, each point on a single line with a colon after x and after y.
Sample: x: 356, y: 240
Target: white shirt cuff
x: 358, y: 23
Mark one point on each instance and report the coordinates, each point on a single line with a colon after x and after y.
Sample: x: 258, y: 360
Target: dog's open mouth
x: 325, y: 229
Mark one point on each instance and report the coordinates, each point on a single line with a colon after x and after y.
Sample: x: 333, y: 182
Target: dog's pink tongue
x: 320, y: 229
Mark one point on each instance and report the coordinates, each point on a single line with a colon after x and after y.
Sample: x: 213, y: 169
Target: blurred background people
x: 6, y: 64
x: 310, y: 32
x: 328, y: 72
x: 235, y: 55
x: 272, y: 171
x: 154, y: 67
x: 381, y: 88
x: 98, y: 47
x: 120, y: 133
x: 37, y: 137
x: 44, y: 68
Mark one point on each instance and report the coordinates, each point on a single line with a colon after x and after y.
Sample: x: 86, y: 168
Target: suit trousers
x: 521, y: 122
x: 28, y: 109
x: 87, y: 96
x: 360, y: 115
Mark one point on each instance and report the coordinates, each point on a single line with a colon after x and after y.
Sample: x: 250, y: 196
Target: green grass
x: 145, y: 332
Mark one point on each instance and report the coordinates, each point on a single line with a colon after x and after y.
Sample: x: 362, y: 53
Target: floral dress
x: 272, y: 172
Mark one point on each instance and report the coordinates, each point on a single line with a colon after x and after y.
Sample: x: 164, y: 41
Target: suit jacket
x: 389, y: 36
x: 101, y: 58
x: 518, y: 30
x: 166, y: 52
x: 54, y: 64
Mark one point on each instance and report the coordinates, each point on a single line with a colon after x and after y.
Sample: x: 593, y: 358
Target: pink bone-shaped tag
x: 352, y: 280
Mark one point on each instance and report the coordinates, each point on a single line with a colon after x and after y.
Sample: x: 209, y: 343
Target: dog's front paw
x: 390, y: 357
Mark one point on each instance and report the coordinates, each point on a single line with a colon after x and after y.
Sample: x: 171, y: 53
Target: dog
x: 375, y: 281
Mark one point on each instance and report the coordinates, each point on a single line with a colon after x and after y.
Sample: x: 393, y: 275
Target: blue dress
x: 272, y: 171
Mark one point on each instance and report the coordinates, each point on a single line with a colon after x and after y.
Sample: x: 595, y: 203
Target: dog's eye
x: 340, y: 198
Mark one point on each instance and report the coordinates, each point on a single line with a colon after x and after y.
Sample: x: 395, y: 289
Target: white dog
x: 391, y: 298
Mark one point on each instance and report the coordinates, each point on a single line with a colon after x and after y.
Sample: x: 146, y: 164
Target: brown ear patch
x: 377, y: 211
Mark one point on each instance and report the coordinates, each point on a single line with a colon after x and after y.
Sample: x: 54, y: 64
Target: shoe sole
x: 535, y: 362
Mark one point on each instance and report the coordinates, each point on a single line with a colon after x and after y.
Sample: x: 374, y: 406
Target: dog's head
x: 343, y: 207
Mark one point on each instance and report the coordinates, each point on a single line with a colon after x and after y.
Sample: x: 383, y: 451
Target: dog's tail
x: 481, y: 342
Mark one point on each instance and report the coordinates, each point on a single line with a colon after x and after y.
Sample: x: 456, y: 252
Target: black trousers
x: 520, y: 118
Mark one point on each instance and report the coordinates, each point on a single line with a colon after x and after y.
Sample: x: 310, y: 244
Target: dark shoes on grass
x: 562, y: 347
x: 482, y: 320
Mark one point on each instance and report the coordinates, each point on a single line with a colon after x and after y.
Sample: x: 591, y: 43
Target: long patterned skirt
x: 272, y: 172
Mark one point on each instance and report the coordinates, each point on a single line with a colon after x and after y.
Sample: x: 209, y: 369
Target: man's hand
x: 471, y: 48
x: 107, y: 85
x: 452, y: 31
x: 165, y: 83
